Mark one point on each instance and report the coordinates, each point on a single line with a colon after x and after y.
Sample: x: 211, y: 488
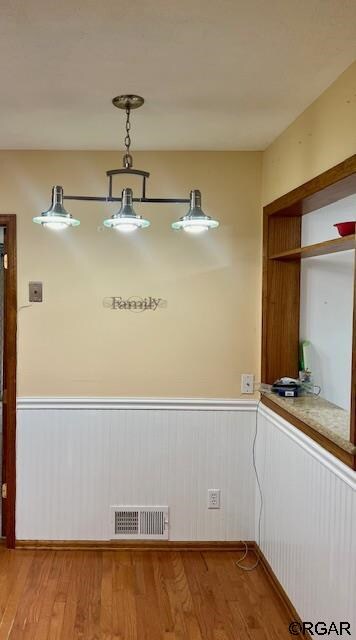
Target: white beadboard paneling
x: 309, y: 521
x: 76, y: 457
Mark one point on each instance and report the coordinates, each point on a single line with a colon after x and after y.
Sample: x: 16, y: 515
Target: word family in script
x: 134, y: 303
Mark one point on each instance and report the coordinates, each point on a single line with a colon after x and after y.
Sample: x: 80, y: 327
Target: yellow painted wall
x: 210, y: 331
x: 321, y: 137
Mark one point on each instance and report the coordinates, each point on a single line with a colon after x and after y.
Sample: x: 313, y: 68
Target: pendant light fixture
x: 126, y: 219
x: 195, y: 221
x: 56, y: 217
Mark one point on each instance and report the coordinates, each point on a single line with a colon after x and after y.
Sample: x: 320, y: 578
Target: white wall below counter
x: 309, y: 521
x: 76, y: 457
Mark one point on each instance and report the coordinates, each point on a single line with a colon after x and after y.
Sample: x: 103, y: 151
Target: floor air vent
x: 140, y: 522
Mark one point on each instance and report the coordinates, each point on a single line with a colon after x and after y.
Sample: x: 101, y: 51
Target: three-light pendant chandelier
x: 126, y: 219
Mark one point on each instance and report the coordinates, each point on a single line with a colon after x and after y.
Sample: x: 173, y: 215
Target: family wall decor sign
x: 134, y: 303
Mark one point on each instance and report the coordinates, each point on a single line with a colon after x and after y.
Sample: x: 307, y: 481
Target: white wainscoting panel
x: 308, y: 532
x: 76, y: 457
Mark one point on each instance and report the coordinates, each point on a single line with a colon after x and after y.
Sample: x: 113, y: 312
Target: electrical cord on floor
x: 238, y: 562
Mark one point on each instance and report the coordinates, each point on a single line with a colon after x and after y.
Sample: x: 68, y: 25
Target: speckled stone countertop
x: 323, y: 416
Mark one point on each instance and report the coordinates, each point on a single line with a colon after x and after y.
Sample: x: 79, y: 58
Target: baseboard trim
x: 134, y: 545
x: 292, y: 613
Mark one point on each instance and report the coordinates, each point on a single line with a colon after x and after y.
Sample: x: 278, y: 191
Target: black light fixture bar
x: 139, y: 172
x: 113, y: 199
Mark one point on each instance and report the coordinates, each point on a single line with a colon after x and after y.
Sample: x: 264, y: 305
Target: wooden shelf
x: 281, y: 278
x: 320, y: 249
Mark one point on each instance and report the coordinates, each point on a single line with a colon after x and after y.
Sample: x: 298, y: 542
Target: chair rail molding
x: 188, y: 404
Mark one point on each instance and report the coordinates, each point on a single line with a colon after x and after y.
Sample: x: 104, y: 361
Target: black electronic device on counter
x: 286, y: 387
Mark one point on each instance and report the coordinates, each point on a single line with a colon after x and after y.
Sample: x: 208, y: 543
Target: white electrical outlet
x: 247, y: 383
x: 214, y: 499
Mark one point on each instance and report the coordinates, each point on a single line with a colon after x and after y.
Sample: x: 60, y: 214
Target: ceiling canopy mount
x: 128, y: 101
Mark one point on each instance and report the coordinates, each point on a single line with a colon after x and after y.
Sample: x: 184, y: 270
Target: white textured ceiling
x: 228, y: 74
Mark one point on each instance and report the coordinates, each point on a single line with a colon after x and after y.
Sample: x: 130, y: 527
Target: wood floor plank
x: 93, y: 605
x: 106, y: 596
x: 16, y: 569
x: 204, y: 586
x: 148, y: 611
x: 185, y: 620
x: 135, y: 595
x: 71, y: 596
x: 161, y: 586
x: 59, y: 604
x: 28, y: 614
x: 124, y: 605
x: 45, y: 601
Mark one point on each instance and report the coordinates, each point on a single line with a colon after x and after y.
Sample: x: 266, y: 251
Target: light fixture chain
x: 127, y: 160
x: 128, y: 127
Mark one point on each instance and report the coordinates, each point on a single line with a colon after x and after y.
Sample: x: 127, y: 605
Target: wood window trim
x: 9, y: 376
x: 281, y: 303
x: 328, y: 187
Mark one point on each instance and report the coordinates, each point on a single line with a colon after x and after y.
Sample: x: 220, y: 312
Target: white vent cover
x: 150, y: 523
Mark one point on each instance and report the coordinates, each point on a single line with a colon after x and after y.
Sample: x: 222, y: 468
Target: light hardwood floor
x: 136, y: 595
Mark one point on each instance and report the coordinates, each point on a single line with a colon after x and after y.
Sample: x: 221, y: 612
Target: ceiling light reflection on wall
x: 126, y: 219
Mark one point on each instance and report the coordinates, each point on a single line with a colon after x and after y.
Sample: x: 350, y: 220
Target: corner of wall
x: 321, y: 137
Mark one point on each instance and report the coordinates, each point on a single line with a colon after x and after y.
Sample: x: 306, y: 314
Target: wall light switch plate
x: 35, y: 291
x: 214, y: 499
x: 247, y: 383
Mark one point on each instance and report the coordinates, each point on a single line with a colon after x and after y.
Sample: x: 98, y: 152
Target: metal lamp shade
x: 56, y: 217
x: 195, y: 221
x: 126, y: 219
